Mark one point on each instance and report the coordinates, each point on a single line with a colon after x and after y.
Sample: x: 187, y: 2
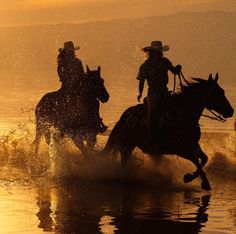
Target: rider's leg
x: 151, y: 120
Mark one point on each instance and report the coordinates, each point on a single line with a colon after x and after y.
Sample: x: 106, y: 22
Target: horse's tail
x: 121, y: 129
x: 112, y: 145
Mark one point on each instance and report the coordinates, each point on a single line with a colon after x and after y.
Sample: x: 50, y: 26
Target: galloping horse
x: 71, y: 112
x: 177, y: 128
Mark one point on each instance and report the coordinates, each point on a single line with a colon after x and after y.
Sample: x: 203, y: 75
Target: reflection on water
x: 80, y: 207
x: 119, y: 209
x: 107, y: 225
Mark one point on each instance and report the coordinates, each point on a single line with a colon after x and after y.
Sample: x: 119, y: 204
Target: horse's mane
x: 194, y: 85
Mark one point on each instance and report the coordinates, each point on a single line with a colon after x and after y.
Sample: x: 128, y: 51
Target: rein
x: 215, y: 116
x: 181, y: 77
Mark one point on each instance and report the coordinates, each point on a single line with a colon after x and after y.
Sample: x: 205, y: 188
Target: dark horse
x: 177, y: 128
x: 71, y: 112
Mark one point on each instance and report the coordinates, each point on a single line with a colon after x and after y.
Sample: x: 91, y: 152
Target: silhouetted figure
x: 94, y: 106
x: 178, y: 123
x: 70, y: 69
x: 71, y: 74
x: 72, y: 113
x: 155, y: 71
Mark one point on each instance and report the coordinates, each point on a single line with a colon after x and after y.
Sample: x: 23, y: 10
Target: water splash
x: 222, y: 166
x: 59, y: 161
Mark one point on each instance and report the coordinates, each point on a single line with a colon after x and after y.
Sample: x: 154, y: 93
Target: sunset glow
x: 117, y: 116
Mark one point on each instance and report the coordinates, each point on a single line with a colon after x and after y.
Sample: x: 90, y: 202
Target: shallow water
x: 66, y: 194
x: 74, y: 207
x: 60, y: 192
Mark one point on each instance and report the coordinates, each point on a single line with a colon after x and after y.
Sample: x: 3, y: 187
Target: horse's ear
x: 216, y: 77
x: 99, y: 69
x: 210, y: 77
x: 87, y: 67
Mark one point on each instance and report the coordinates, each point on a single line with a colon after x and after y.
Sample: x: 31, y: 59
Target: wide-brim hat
x: 69, y: 46
x: 156, y: 45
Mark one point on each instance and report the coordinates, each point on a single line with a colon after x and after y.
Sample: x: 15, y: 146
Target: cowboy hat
x: 156, y: 45
x: 69, y: 45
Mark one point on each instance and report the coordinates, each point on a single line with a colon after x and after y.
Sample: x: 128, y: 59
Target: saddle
x: 166, y: 109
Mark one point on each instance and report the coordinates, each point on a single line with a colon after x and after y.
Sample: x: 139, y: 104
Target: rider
x: 70, y: 69
x: 71, y: 74
x: 155, y: 71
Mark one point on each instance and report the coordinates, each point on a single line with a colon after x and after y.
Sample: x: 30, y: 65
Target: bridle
x: 216, y: 116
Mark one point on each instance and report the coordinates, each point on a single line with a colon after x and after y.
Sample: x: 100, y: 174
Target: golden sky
x: 21, y: 12
x: 30, y: 4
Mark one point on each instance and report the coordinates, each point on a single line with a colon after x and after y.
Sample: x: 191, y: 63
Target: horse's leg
x: 57, y: 136
x: 38, y: 135
x: 203, y: 157
x: 91, y: 140
x: 78, y: 140
x: 199, y: 172
x: 205, y: 183
x: 47, y: 135
x: 125, y: 154
x: 36, y: 141
x: 199, y: 155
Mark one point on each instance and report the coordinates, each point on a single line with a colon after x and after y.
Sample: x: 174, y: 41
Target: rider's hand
x: 139, y: 97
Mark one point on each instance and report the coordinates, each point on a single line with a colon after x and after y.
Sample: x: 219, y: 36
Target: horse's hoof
x: 188, y: 178
x: 206, y: 185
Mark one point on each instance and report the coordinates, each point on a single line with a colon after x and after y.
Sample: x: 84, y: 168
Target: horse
x: 71, y: 112
x: 177, y: 128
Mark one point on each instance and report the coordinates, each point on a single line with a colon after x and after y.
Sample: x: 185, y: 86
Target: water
x: 61, y: 192
x: 75, y: 207
x: 65, y: 193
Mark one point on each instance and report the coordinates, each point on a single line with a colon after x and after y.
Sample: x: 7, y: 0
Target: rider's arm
x: 141, y: 77
x: 173, y: 69
x: 141, y: 86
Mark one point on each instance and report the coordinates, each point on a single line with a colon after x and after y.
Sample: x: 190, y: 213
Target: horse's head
x: 215, y: 99
x: 96, y: 85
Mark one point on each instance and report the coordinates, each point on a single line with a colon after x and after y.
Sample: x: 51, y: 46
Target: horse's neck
x: 85, y: 90
x: 193, y: 108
